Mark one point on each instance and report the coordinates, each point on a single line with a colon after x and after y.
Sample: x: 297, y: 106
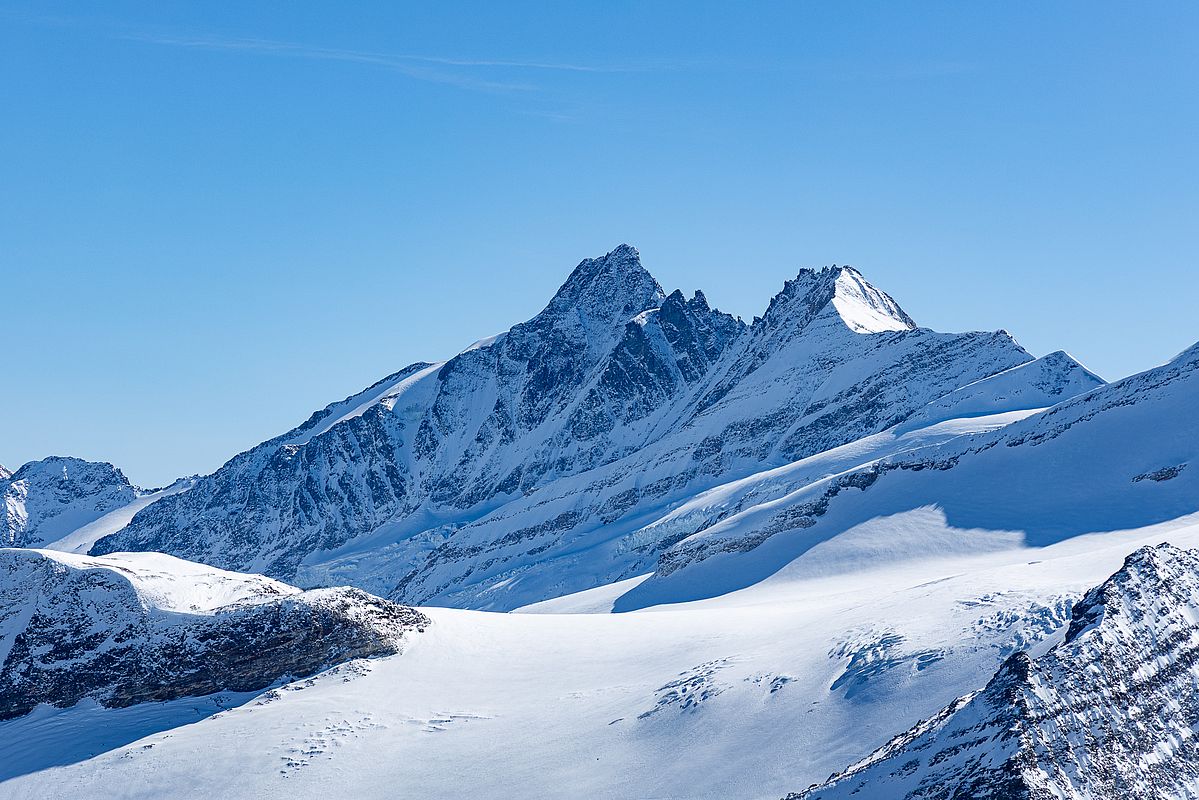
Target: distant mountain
x: 1119, y: 456
x: 1109, y: 712
x: 47, y: 499
x: 532, y: 464
x: 149, y: 627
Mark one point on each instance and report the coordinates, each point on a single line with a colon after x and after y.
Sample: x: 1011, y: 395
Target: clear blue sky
x: 218, y: 217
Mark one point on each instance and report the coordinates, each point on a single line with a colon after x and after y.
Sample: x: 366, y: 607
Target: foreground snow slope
x: 1109, y: 712
x: 745, y: 696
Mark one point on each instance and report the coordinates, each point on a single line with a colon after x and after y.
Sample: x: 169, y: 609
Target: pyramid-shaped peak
x: 860, y: 305
x: 865, y: 308
x: 622, y: 265
x: 615, y: 281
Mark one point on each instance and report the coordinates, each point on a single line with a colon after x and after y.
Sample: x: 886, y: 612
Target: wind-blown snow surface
x: 748, y: 696
x: 533, y: 464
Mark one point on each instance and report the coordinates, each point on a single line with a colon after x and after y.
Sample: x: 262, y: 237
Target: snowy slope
x: 529, y: 465
x: 1117, y: 456
x: 139, y: 627
x: 83, y: 538
x: 1109, y: 712
x: 45, y: 500
x: 1036, y: 384
x: 746, y: 696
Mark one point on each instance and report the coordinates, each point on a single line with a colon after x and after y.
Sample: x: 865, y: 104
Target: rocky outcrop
x: 1109, y: 712
x: 146, y: 627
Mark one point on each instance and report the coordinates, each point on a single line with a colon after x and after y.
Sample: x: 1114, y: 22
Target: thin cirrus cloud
x: 420, y: 67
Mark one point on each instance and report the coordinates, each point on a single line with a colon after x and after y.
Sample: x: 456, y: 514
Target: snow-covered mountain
x: 1111, y: 711
x: 146, y: 627
x: 827, y: 525
x: 533, y: 463
x: 47, y: 499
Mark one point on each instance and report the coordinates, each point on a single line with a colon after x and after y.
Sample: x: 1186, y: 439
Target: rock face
x: 1109, y: 712
x: 47, y: 499
x: 528, y: 465
x: 148, y: 627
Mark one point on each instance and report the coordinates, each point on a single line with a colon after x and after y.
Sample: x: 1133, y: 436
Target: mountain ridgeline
x: 533, y: 463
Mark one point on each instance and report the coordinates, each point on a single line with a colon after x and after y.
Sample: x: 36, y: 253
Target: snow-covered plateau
x: 636, y: 548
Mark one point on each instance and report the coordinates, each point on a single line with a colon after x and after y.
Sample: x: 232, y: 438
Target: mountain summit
x: 528, y: 465
x: 862, y: 307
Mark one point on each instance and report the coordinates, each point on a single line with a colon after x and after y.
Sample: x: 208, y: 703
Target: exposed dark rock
x: 83, y: 630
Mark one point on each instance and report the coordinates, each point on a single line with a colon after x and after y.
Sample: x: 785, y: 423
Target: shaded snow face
x: 1110, y: 712
x: 47, y: 499
x: 529, y: 465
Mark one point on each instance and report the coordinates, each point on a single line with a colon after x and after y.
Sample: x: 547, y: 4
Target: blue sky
x: 216, y: 218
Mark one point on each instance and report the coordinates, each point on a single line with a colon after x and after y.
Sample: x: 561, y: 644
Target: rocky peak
x: 1154, y: 584
x: 862, y: 307
x: 697, y: 334
x: 65, y: 470
x: 552, y: 352
x: 607, y: 291
x: 47, y: 498
x: 803, y: 295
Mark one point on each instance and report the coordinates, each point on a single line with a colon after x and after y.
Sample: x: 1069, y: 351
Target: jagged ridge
x: 447, y: 480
